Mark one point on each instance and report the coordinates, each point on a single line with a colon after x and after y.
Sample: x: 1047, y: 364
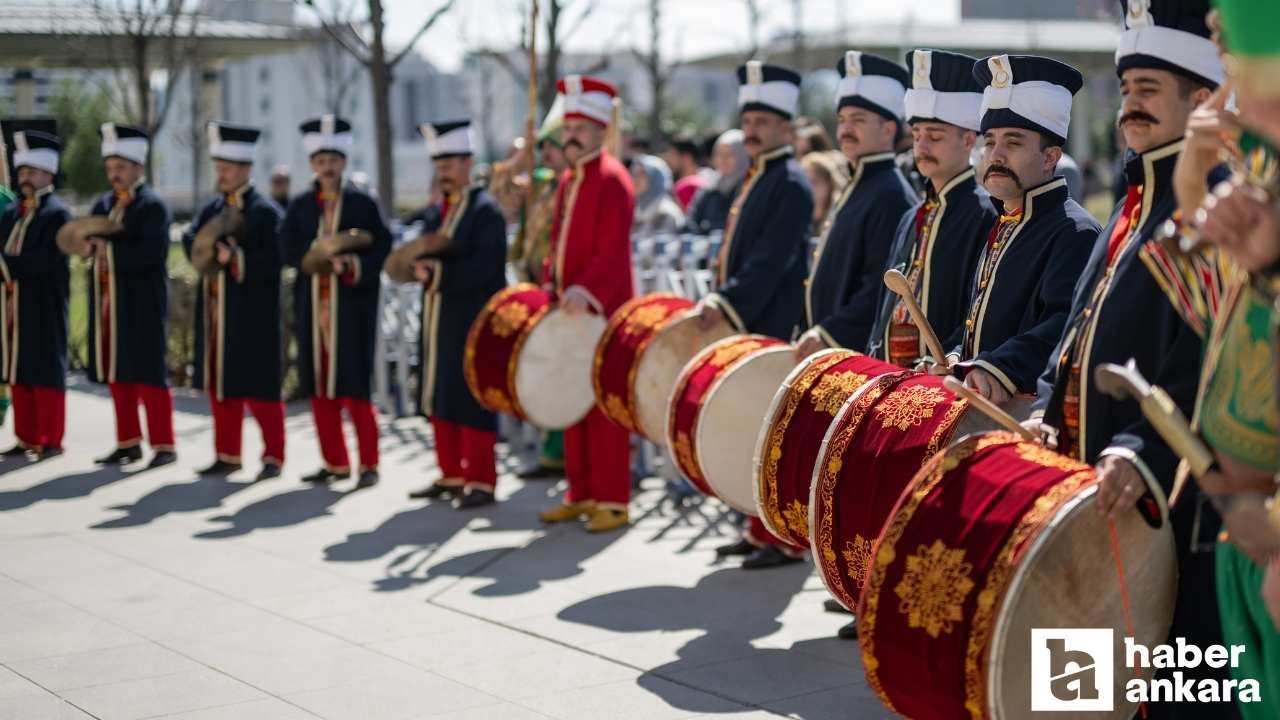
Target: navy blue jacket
x: 964, y: 219
x: 39, y: 277
x: 134, y: 280
x: 356, y: 299
x: 1018, y: 318
x: 251, y: 359
x: 465, y: 274
x: 760, y: 285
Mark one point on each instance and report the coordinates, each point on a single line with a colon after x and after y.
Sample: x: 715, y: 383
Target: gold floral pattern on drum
x: 857, y: 555
x: 508, y: 318
x: 645, y: 318
x: 1042, y: 455
x: 616, y: 409
x: 797, y: 517
x: 933, y: 588
x: 834, y: 389
x: 497, y: 401
x: 908, y: 407
x: 684, y: 452
x: 725, y: 355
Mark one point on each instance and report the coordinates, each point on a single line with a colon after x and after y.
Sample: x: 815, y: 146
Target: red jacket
x: 591, y: 233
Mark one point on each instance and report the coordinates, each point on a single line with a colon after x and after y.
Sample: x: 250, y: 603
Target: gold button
x: 982, y: 285
x: 969, y: 323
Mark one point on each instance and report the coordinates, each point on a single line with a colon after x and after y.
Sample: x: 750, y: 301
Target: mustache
x: 1138, y: 116
x: 1004, y: 169
x: 26, y: 188
x: 847, y: 137
x: 573, y: 143
x: 927, y: 159
x: 750, y: 140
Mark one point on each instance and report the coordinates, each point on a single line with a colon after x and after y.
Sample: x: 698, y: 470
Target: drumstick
x: 897, y: 282
x: 987, y: 407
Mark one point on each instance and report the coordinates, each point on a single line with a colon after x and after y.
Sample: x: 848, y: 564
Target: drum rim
x: 612, y: 323
x: 513, y: 365
x: 682, y: 381
x: 766, y: 430
x: 813, y: 489
x: 641, y: 353
x: 772, y: 349
x: 469, y: 373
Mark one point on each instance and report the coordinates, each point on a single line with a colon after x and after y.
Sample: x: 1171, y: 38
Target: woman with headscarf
x: 656, y: 211
x: 710, y: 207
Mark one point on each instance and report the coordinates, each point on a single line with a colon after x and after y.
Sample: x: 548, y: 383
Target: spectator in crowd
x: 280, y: 185
x: 685, y: 160
x: 812, y: 138
x: 710, y: 208
x: 656, y: 212
x: 827, y: 182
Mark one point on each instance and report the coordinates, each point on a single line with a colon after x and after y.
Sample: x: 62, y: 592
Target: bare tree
x: 365, y: 40
x: 659, y: 73
x: 753, y: 27
x: 149, y: 35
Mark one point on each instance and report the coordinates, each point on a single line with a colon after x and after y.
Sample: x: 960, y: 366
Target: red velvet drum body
x: 791, y: 437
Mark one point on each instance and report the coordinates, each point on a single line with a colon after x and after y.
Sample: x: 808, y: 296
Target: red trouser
x: 333, y: 446
x: 465, y: 455
x: 159, y: 404
x: 228, y: 419
x: 39, y: 416
x: 597, y: 461
x: 759, y: 535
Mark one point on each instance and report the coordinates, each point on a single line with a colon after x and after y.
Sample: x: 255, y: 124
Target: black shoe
x: 46, y: 453
x: 742, y: 547
x: 269, y: 471
x: 368, y: 478
x: 121, y: 456
x: 540, y: 472
x: 767, y: 557
x: 324, y: 477
x: 219, y: 467
x: 848, y: 631
x: 15, y: 451
x: 833, y: 605
x: 162, y: 458
x: 435, y: 491
x: 474, y: 498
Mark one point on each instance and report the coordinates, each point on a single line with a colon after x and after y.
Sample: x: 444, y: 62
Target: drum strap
x: 1124, y: 597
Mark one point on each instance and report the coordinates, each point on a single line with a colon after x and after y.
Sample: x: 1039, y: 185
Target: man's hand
x: 97, y: 246
x: 1046, y: 434
x: 1238, y: 218
x: 224, y: 254
x: 986, y: 385
x: 708, y: 315
x: 1119, y: 485
x: 339, y: 264
x: 808, y: 344
x: 422, y: 271
x: 574, y: 302
x: 1211, y: 129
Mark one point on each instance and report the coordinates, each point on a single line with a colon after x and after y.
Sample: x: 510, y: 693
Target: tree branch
x: 519, y: 76
x: 422, y: 30
x: 586, y: 13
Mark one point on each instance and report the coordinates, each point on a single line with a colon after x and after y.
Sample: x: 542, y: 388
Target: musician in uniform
x: 759, y: 269
x: 129, y: 300
x: 847, y: 270
x: 1021, y: 290
x: 937, y: 243
x: 239, y: 351
x: 589, y: 269
x: 33, y: 299
x: 460, y: 264
x: 336, y: 302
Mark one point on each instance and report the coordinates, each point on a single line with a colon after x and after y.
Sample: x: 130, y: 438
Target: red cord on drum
x: 1124, y: 598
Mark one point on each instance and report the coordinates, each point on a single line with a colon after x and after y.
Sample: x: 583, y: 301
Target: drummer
x: 1033, y: 255
x: 239, y: 352
x: 760, y: 266
x: 1160, y: 84
x: 462, y: 268
x: 938, y: 242
x: 589, y: 269
x: 336, y: 311
x: 847, y: 270
x: 33, y: 355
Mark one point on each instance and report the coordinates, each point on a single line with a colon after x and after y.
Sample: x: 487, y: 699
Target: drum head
x: 730, y: 421
x: 1067, y: 579
x: 553, y: 371
x: 975, y: 421
x: 660, y: 365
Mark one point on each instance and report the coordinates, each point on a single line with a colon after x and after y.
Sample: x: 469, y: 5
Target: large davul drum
x: 716, y: 409
x: 996, y: 536
x: 879, y: 440
x: 791, y: 436
x: 527, y: 358
x: 638, y: 360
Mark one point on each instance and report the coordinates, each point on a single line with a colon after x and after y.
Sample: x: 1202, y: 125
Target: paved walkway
x: 159, y: 594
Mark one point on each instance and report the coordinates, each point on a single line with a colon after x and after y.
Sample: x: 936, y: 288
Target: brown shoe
x: 567, y: 512
x: 606, y: 519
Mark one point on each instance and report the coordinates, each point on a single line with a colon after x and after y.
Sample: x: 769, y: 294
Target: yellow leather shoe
x: 606, y: 519
x: 567, y: 512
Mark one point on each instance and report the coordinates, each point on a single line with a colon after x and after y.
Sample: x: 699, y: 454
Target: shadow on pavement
x: 63, y: 487
x: 201, y: 493
x: 287, y: 508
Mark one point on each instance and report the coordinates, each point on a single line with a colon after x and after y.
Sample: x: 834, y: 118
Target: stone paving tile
x: 104, y: 667
x: 550, y: 671
x: 268, y: 709
x: 648, y: 698
x: 48, y: 628
x: 191, y: 690
x: 501, y: 711
x: 392, y: 699
x: 488, y: 643
x: 40, y: 705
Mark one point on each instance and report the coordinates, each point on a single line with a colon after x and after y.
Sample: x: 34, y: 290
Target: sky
x: 690, y: 28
